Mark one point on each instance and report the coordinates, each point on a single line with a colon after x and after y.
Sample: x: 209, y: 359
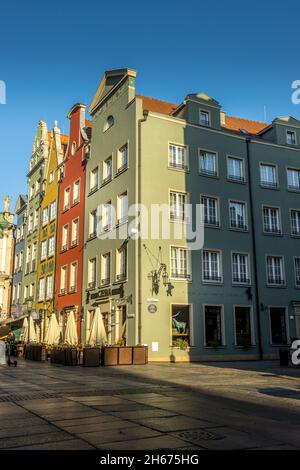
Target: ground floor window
x: 213, y: 325
x: 278, y: 325
x: 242, y: 317
x: 181, y: 321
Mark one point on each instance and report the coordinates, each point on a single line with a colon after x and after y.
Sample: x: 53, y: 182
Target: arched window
x: 109, y: 123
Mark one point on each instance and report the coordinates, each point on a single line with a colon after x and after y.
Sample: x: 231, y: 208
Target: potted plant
x: 181, y: 343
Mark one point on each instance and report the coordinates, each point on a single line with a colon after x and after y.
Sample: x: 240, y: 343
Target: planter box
x: 60, y: 356
x: 110, y: 356
x: 53, y: 357
x: 125, y: 356
x: 70, y: 358
x: 140, y: 355
x: 91, y: 357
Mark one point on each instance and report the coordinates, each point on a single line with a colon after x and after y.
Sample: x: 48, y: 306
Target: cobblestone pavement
x: 234, y: 405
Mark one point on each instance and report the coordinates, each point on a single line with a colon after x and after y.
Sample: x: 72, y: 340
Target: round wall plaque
x: 152, y: 308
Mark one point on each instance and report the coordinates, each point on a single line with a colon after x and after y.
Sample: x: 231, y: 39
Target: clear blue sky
x: 53, y: 54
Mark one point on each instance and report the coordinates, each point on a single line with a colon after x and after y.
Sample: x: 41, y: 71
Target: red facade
x: 70, y: 238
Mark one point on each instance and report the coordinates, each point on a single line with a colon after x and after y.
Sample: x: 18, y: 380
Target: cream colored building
x: 6, y: 259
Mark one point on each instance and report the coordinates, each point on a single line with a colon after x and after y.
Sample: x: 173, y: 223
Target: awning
x: 8, y: 321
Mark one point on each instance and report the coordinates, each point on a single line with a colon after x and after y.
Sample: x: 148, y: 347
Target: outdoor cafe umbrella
x: 32, y: 338
x: 71, y: 331
x: 25, y: 330
x: 98, y: 333
x: 53, y: 331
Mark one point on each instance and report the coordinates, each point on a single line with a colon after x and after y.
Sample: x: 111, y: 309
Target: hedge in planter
x: 91, y: 357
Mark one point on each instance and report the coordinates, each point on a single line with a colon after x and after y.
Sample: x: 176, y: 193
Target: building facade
x: 70, y: 238
x: 21, y: 212
x: 6, y: 259
x: 235, y: 297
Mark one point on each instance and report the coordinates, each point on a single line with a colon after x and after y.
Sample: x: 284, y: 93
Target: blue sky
x: 53, y: 54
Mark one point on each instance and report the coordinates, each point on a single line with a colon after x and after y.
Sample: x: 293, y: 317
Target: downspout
x: 139, y: 241
x: 257, y: 301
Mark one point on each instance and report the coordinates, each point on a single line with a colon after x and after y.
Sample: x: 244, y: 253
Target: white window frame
x: 180, y: 275
x: 219, y: 266
x: 248, y: 269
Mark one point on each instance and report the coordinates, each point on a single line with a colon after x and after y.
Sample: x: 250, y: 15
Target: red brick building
x: 70, y: 238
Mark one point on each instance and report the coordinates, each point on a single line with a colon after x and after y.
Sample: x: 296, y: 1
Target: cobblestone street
x: 159, y: 406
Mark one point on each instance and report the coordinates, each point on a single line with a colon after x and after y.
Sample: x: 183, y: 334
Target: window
x: 122, y: 158
x: 45, y: 215
x: 293, y: 178
x: 51, y: 177
x: 76, y: 191
x: 36, y: 218
x: 21, y: 260
x: 94, y: 179
x: 105, y: 269
x: 297, y: 271
x: 42, y: 289
x: 44, y: 250
x: 51, y: 246
x: 178, y: 206
x: 92, y: 273
x: 275, y: 274
x: 28, y: 258
x: 106, y: 216
x: 278, y: 325
x: 93, y: 224
x: 211, y: 266
x: 30, y: 223
x: 34, y: 257
x: 73, y: 148
x: 295, y: 222
x: 109, y: 123
x: 179, y: 263
x: 242, y: 318
x: 271, y: 219
x: 240, y: 268
x: 67, y: 193
x: 65, y: 237
x: 181, y: 324
x: 204, y: 118
x: 122, y: 207
x: 31, y: 289
x: 75, y: 226
x: 53, y: 210
x: 213, y: 325
x: 107, y: 170
x: 178, y: 156
x: 291, y: 138
x: 268, y: 175
x: 122, y: 264
x: 16, y: 266
x: 73, y: 277
x: 235, y: 169
x: 210, y: 210
x: 207, y: 163
x: 63, y: 280
x: 237, y: 215
x: 49, y: 287
x: 37, y: 185
x: 31, y: 191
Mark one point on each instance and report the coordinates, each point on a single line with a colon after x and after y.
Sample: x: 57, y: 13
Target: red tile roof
x: 231, y: 123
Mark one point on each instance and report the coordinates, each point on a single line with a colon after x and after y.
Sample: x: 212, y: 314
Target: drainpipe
x: 139, y: 241
x: 248, y: 141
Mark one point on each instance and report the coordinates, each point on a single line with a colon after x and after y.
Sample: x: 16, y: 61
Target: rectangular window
x: 30, y: 223
x: 237, y: 213
x: 65, y: 237
x: 293, y: 178
x: 63, y: 280
x: 53, y: 210
x: 207, y: 163
x: 240, y: 268
x: 275, y: 275
x: 180, y: 263
x: 295, y: 222
x: 268, y: 175
x: 210, y: 210
x: 105, y: 269
x: 36, y: 218
x: 31, y: 289
x: 178, y: 203
x: 297, y: 271
x: 213, y: 325
x: 278, y: 325
x: 242, y: 318
x: 75, y: 226
x: 178, y: 156
x: 44, y: 250
x: 94, y: 179
x: 235, y: 169
x: 271, y: 219
x: 92, y: 273
x: 122, y: 264
x: 93, y: 224
x: 181, y: 325
x: 76, y: 192
x: 45, y: 216
x: 49, y: 288
x: 204, y: 118
x: 211, y: 266
x: 51, y: 177
x: 122, y: 158
x: 122, y: 207
x: 107, y: 170
x: 34, y: 257
x: 291, y: 138
x: 42, y: 289
x: 51, y: 246
x: 67, y: 193
x: 73, y: 277
x: 106, y: 216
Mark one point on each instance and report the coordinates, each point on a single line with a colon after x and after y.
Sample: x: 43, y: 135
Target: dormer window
x: 204, y: 118
x: 109, y: 123
x: 291, y: 138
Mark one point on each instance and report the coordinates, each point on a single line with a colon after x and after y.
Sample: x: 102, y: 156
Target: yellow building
x: 48, y: 229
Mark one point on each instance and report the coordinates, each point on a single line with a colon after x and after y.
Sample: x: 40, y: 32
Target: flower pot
x: 91, y: 357
x: 110, y: 356
x: 125, y: 355
x: 71, y: 357
x: 140, y: 355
